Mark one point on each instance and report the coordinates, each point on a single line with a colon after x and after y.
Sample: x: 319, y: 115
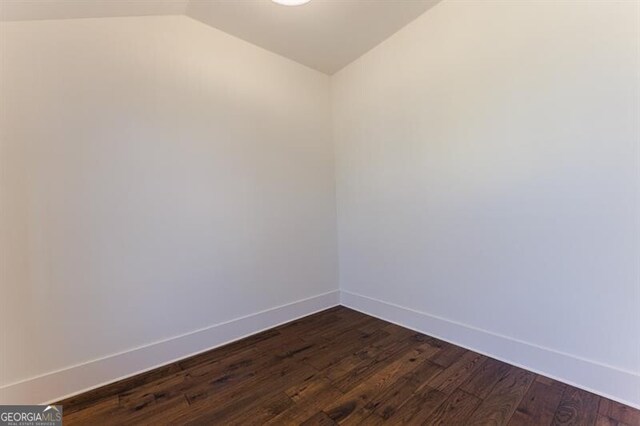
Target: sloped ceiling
x: 323, y: 34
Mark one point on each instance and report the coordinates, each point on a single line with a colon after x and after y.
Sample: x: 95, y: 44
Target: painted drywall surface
x: 157, y: 176
x: 488, y: 172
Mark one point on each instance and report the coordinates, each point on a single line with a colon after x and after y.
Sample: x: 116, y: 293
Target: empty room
x: 320, y: 212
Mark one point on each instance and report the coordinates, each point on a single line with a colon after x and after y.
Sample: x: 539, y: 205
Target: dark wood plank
x: 319, y: 419
x: 99, y: 409
x: 154, y: 413
x: 166, y: 388
x: 373, y: 349
x: 455, y: 410
x: 619, y: 412
x: 363, y: 370
x: 448, y: 355
x: 223, y: 406
x: 416, y: 410
x: 342, y: 367
x: 253, y: 413
x: 607, y: 421
x: 332, y: 352
x: 309, y: 398
x: 240, y: 374
x: 457, y: 373
x: 539, y: 404
x: 485, y: 378
x: 503, y: 399
x: 349, y: 322
x: 577, y: 407
x: 260, y: 404
x: 388, y: 403
x: 87, y: 399
x: 352, y: 407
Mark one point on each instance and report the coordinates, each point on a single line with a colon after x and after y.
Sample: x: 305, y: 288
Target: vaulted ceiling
x: 323, y: 34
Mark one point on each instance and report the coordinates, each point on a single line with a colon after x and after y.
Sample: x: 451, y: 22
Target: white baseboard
x: 70, y: 381
x: 610, y: 382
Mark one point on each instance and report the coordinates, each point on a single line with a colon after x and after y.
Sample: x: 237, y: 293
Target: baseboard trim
x: 610, y: 382
x: 67, y: 382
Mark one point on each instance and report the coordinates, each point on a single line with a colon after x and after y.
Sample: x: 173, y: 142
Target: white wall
x: 157, y: 176
x: 488, y: 176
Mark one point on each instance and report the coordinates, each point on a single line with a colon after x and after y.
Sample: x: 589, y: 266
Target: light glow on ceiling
x: 291, y: 2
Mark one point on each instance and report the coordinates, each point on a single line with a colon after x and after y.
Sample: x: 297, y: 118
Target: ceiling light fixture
x: 291, y: 2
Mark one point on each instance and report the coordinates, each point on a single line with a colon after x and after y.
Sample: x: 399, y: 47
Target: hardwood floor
x: 342, y: 367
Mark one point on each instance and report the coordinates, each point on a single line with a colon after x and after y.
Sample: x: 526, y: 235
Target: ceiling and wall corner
x: 325, y: 35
